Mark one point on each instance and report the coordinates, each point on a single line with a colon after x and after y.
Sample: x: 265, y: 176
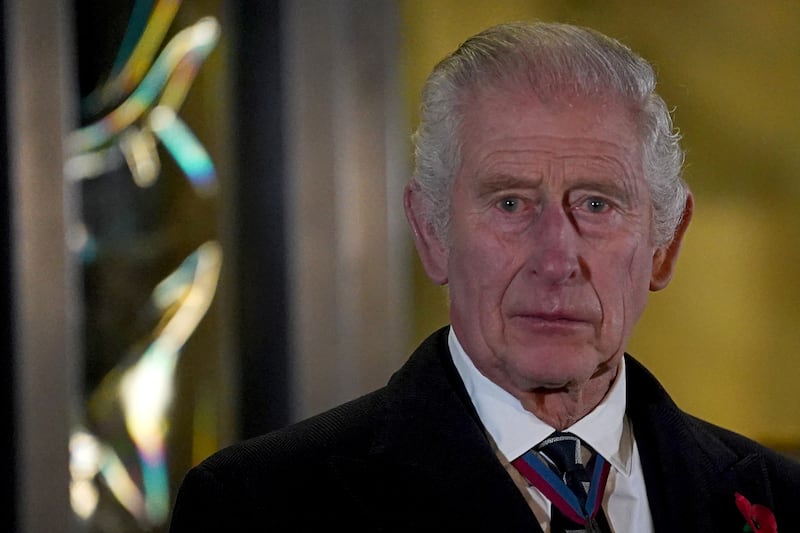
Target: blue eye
x: 596, y: 205
x: 509, y: 205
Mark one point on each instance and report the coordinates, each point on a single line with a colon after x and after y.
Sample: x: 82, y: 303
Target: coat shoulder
x: 782, y: 470
x: 345, y: 429
x: 264, y: 476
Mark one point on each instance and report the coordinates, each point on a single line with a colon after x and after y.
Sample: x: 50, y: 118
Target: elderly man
x: 547, y: 197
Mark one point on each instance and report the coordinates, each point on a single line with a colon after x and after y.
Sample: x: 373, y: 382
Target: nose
x: 554, y: 246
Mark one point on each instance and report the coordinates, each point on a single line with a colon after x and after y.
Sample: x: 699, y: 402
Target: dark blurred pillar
x: 259, y: 317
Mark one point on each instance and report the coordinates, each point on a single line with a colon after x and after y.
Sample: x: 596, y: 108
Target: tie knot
x: 556, y: 468
x: 563, y: 452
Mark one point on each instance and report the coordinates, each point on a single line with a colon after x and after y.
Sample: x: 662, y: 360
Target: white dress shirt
x: 606, y: 429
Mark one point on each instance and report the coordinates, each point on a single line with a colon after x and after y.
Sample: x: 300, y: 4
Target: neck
x: 562, y: 407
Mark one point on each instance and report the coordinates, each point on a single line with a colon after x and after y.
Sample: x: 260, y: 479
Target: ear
x: 664, y: 258
x: 432, y: 251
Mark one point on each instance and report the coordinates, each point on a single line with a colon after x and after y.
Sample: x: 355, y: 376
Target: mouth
x: 554, y: 322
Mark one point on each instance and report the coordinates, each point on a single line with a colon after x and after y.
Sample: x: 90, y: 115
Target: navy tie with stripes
x: 572, y: 476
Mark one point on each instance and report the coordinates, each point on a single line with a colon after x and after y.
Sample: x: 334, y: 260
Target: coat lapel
x: 430, y: 464
x: 691, y: 476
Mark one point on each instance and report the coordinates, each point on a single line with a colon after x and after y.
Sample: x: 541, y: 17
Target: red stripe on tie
x: 535, y: 479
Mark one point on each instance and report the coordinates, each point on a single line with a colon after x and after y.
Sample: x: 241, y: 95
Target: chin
x: 553, y: 369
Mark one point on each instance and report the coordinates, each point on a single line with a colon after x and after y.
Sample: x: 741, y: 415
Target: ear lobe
x: 665, y: 258
x: 432, y: 252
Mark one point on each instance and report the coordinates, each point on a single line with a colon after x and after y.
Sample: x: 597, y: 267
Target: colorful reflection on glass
x: 119, y: 443
x: 164, y: 87
x: 140, y: 389
x: 147, y: 27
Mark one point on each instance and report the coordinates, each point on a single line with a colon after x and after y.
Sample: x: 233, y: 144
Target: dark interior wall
x: 8, y: 505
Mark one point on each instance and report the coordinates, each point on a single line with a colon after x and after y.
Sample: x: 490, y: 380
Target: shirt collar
x: 515, y: 430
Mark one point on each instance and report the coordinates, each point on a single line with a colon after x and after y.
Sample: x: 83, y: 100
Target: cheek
x: 482, y: 265
x: 634, y: 285
x: 491, y: 257
x: 622, y: 285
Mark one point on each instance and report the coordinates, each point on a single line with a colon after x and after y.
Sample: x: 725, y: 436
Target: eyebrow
x: 503, y: 182
x: 617, y: 188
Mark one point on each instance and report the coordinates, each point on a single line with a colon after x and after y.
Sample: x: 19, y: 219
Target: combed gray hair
x: 554, y: 60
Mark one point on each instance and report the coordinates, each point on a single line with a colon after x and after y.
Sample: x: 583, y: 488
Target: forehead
x: 507, y: 126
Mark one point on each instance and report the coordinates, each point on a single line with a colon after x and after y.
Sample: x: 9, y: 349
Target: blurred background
x: 203, y: 235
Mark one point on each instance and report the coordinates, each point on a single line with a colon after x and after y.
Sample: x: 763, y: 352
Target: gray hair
x: 553, y: 59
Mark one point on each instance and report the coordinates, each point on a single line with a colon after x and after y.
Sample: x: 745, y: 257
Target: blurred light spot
x: 146, y: 388
x: 84, y: 497
x: 139, y: 148
x: 184, y: 147
x: 92, y: 164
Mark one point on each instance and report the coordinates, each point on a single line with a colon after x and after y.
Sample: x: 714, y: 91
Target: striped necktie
x: 573, y: 477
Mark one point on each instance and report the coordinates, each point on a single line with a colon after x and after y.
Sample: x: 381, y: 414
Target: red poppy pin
x: 759, y: 518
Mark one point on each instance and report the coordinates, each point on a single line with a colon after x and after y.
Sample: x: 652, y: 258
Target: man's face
x: 550, y: 251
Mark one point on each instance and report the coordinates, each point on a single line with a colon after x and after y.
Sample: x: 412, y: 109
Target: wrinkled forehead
x: 512, y: 127
x: 510, y: 106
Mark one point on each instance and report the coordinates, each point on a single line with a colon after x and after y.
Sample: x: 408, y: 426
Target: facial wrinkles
x: 539, y: 171
x: 547, y: 146
x: 540, y: 167
x: 616, y: 318
x: 490, y: 297
x: 476, y: 258
x: 561, y: 246
x: 630, y: 310
x: 521, y: 245
x: 495, y: 256
x: 562, y: 239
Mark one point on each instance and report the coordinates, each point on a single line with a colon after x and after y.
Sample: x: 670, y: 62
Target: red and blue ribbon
x: 554, y: 489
